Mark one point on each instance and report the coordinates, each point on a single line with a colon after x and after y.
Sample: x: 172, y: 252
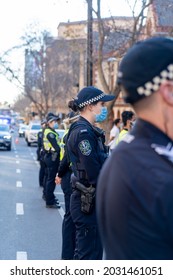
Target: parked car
x: 31, y: 133
x: 22, y: 129
x: 5, y: 136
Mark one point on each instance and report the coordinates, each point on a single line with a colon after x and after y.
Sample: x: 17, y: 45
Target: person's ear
x: 166, y: 91
x: 90, y: 107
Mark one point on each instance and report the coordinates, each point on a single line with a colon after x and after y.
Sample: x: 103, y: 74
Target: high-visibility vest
x: 62, y: 144
x: 46, y: 144
x: 121, y: 135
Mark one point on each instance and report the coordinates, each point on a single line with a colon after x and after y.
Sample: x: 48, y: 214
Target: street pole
x: 89, y: 45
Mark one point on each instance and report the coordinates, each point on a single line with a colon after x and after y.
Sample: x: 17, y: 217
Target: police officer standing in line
x: 51, y: 159
x: 135, y: 187
x: 87, y: 154
x: 64, y: 178
x: 40, y: 154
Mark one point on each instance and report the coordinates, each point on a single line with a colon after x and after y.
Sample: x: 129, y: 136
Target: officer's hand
x: 57, y: 180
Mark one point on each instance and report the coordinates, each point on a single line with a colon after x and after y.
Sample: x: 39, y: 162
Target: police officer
x: 52, y: 159
x: 64, y: 178
x: 87, y: 154
x: 135, y: 194
x: 40, y: 154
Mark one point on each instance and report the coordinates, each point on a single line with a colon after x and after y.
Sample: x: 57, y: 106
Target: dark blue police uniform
x: 87, y: 154
x: 135, y: 195
x: 68, y: 227
x: 40, y: 158
x: 51, y: 159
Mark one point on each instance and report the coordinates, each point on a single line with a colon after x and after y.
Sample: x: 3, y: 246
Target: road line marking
x: 21, y: 255
x: 32, y: 154
x: 17, y: 156
x: 18, y: 171
x: 61, y: 193
x: 34, y: 158
x: 19, y: 209
x: 18, y: 184
x: 61, y: 212
x: 17, y: 161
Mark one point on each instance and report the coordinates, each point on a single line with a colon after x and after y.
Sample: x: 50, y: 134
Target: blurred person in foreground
x: 135, y: 194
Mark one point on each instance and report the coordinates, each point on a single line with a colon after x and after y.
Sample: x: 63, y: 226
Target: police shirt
x: 85, y: 150
x: 135, y: 197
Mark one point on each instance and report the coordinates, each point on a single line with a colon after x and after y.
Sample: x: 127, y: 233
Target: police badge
x: 85, y: 147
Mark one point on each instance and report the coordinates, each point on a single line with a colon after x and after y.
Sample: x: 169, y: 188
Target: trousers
x: 68, y: 227
x: 88, y: 242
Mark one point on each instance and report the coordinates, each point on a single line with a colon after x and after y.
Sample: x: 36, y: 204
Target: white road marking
x: 34, y: 158
x: 18, y: 184
x: 61, y: 212
x: 21, y: 255
x: 17, y: 161
x: 60, y: 193
x: 19, y: 209
x: 18, y: 171
x: 17, y: 156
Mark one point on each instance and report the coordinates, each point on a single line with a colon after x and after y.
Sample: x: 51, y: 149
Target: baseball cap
x: 145, y: 67
x: 90, y: 94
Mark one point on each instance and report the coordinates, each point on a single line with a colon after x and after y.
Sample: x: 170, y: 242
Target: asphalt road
x: 28, y: 230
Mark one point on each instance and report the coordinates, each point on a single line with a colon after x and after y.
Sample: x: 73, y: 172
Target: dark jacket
x: 135, y: 197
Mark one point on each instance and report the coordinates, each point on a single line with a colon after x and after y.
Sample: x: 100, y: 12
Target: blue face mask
x: 55, y: 126
x: 102, y: 116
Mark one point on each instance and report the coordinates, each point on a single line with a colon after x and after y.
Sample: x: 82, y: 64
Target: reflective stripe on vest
x: 47, y: 145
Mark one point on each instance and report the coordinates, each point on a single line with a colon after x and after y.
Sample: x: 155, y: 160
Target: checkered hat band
x: 152, y: 86
x: 90, y: 101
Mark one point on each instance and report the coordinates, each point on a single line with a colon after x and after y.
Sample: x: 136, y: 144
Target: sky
x: 16, y: 15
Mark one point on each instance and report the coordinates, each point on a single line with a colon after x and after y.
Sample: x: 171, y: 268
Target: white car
x: 22, y: 129
x: 31, y: 133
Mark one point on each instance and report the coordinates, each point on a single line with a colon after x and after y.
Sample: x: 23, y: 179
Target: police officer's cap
x: 43, y: 121
x: 145, y: 66
x: 51, y: 117
x: 90, y: 94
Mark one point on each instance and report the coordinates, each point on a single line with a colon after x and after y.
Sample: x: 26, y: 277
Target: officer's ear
x: 166, y: 91
x: 90, y: 107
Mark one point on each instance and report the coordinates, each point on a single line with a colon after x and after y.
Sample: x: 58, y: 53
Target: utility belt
x: 81, y: 175
x: 51, y: 154
x: 87, y: 197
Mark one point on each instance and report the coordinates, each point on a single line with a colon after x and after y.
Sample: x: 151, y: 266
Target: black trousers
x: 68, y: 227
x: 41, y: 173
x: 88, y: 242
x: 52, y: 169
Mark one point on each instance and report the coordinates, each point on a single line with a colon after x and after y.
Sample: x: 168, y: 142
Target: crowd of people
x: 118, y: 196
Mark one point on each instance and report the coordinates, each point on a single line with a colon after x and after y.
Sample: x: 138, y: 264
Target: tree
x: 109, y: 33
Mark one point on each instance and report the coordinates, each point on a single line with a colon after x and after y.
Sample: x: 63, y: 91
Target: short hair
x: 127, y: 115
x: 116, y: 121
